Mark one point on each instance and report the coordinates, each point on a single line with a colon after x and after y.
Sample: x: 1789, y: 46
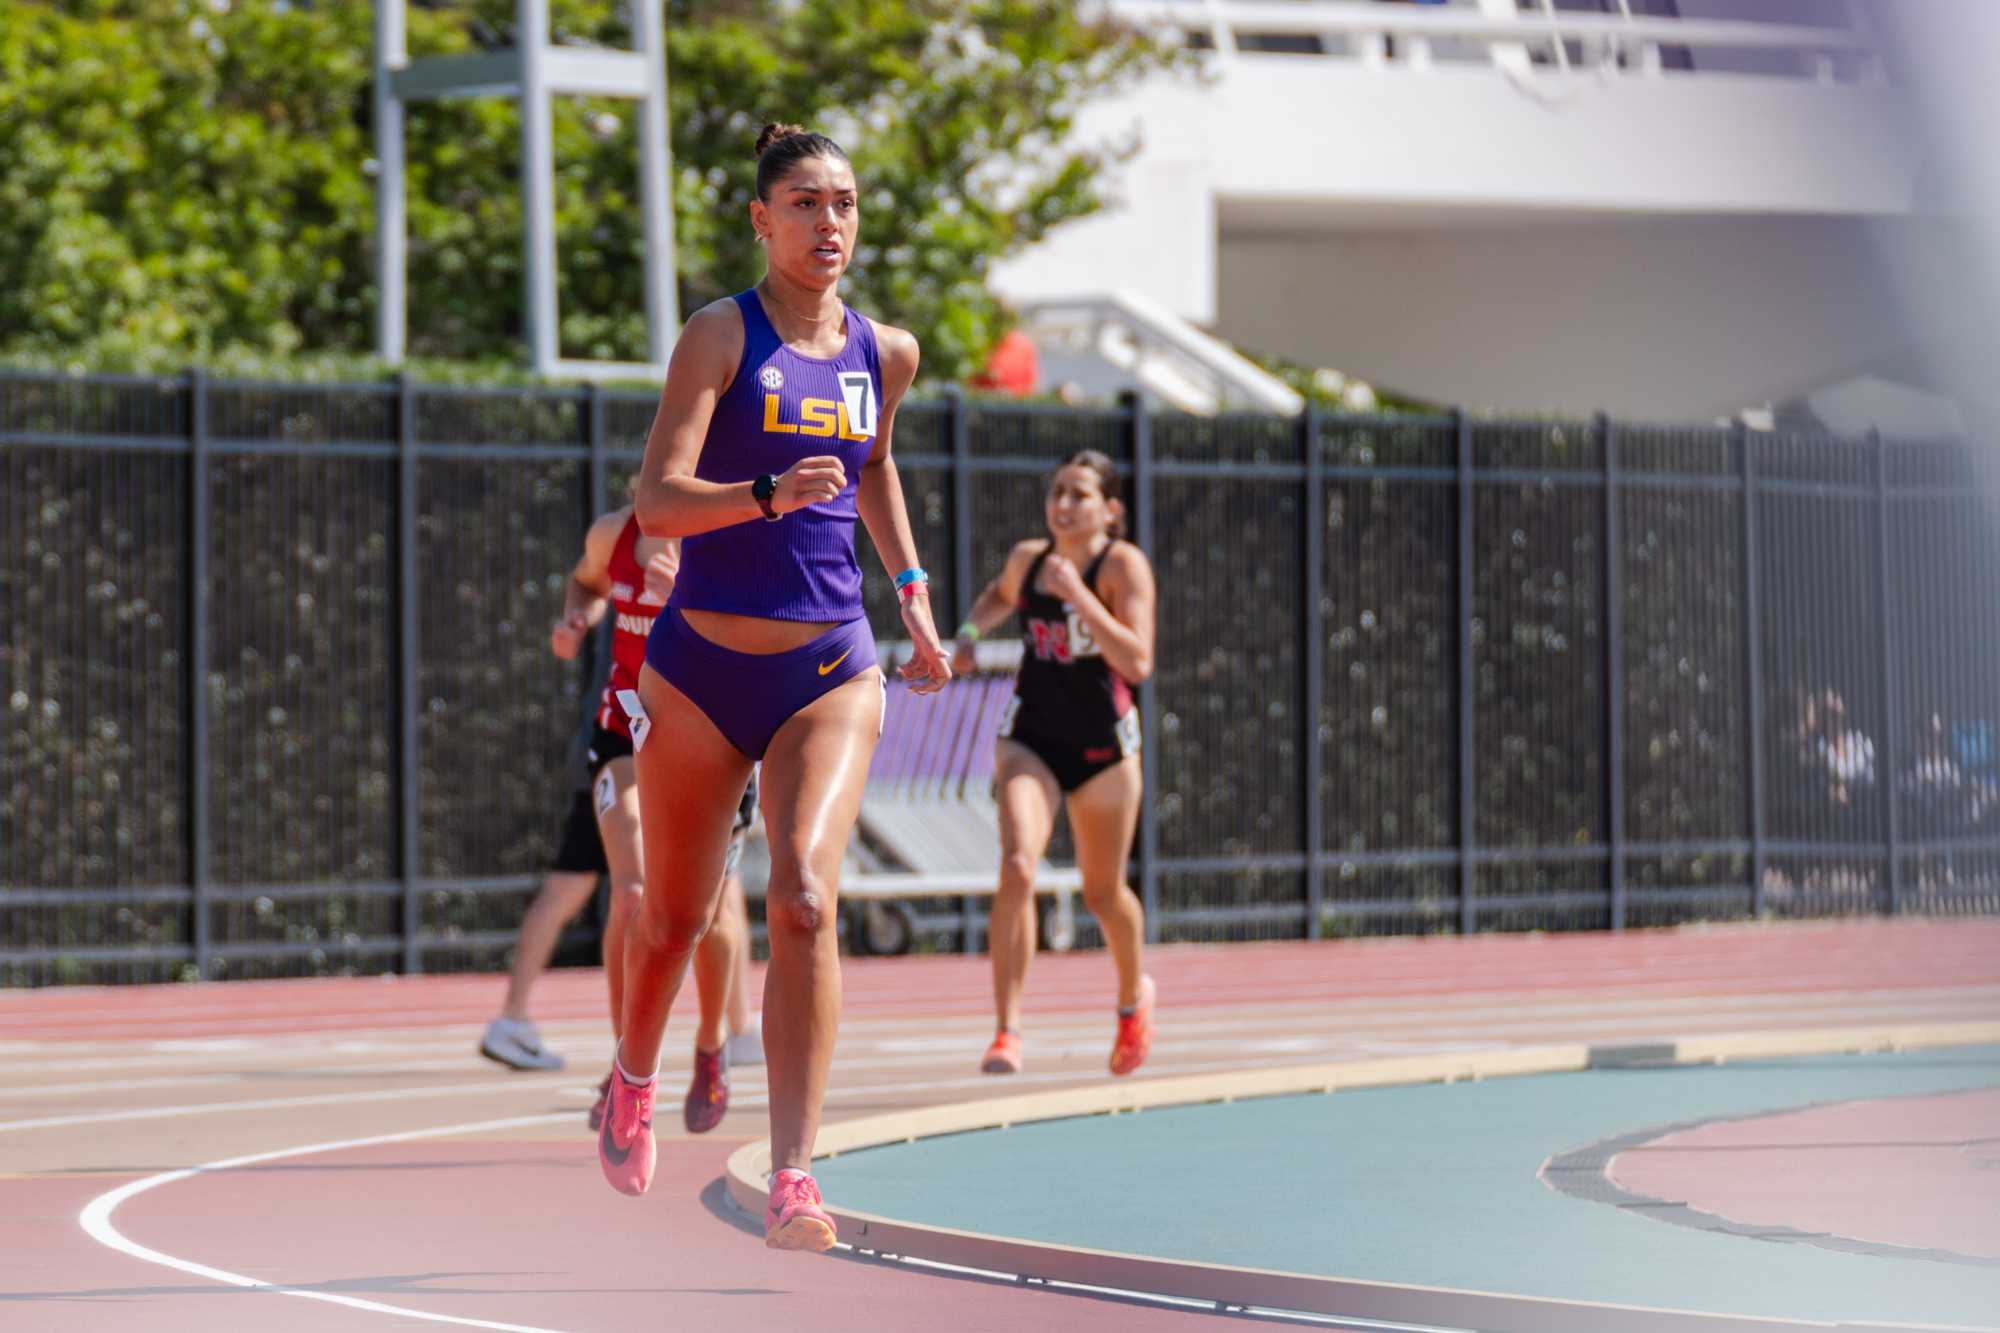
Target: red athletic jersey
x: 632, y: 612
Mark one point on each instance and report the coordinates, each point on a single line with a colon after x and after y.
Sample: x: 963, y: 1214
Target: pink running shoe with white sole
x: 794, y: 1219
x: 1135, y: 1032
x: 708, y: 1095
x: 625, y: 1147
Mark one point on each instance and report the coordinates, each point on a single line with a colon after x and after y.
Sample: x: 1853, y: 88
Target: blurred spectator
x: 1832, y: 746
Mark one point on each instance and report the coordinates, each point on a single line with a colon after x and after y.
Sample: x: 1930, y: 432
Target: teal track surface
x: 1434, y: 1185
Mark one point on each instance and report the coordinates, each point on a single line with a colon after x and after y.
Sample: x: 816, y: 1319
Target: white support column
x: 656, y: 164
x: 538, y: 186
x: 391, y: 213
x: 532, y: 73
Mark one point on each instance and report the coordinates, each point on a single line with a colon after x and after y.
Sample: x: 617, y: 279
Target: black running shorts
x: 579, y: 851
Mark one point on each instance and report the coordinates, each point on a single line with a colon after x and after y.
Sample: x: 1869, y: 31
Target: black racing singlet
x: 1066, y: 691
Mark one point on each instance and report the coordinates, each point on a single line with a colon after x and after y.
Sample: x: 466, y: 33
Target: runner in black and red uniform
x: 629, y: 576
x: 1070, y: 738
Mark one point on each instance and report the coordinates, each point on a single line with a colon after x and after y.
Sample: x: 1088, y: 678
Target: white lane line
x: 96, y: 1222
x: 1062, y: 1041
x: 275, y: 1103
x: 225, y: 1077
x: 1519, y: 1009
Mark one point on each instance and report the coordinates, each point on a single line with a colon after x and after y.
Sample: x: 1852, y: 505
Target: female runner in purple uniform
x: 772, y: 436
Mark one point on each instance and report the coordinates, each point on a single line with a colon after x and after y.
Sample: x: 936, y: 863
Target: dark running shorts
x: 1073, y: 764
x: 580, y: 852
x: 606, y: 745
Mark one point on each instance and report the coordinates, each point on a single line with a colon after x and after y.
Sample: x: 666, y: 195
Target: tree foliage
x: 193, y: 178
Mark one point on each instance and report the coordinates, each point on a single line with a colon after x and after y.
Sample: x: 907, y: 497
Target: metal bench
x: 928, y: 822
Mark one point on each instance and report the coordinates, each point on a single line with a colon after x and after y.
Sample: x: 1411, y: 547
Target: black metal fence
x: 275, y: 696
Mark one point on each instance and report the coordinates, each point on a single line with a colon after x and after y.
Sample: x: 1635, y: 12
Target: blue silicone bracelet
x: 914, y: 574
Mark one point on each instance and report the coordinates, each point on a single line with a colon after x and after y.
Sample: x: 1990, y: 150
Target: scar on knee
x: 806, y: 911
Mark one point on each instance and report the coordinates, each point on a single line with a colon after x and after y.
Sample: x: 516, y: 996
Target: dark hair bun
x: 775, y: 134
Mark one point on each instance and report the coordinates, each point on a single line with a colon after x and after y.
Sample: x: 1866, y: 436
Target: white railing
x: 1375, y: 34
x: 1163, y: 352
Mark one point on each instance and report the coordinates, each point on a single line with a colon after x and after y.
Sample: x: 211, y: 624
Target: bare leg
x: 616, y: 797
x: 738, y: 912
x: 618, y: 823
x: 562, y: 896
x: 715, y: 976
x: 624, y: 906
x: 1102, y: 816
x: 813, y: 775
x: 690, y: 781
x: 1026, y: 793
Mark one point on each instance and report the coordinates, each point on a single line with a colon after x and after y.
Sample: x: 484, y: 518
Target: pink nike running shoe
x: 794, y: 1219
x: 625, y: 1147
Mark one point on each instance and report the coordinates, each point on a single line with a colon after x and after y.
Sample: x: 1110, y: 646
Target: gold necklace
x: 793, y: 313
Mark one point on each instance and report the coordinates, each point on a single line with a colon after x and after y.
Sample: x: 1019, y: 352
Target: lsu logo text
x: 851, y: 418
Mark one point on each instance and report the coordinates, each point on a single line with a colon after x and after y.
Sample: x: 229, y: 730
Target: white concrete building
x: 1666, y: 209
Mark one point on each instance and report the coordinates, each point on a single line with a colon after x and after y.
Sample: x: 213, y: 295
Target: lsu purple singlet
x: 782, y: 406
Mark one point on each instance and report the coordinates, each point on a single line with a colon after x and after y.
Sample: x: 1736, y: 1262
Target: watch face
x: 764, y: 487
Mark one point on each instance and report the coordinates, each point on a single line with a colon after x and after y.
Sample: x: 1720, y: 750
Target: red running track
x: 1789, y: 958
x: 511, y: 1225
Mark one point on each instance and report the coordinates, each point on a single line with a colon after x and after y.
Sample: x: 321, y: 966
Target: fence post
x: 1468, y: 831
x: 1885, y: 767
x: 407, y: 645
x: 1753, y: 656
x: 1149, y: 695
x: 1614, y: 669
x: 960, y: 435
x: 597, y: 478
x: 593, y: 437
x: 961, y: 503
x: 196, y: 635
x: 1312, y: 634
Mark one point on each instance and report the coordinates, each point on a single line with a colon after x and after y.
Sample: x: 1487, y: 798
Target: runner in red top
x: 633, y: 606
x: 630, y: 576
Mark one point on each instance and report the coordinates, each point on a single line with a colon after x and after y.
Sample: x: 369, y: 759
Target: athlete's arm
x: 673, y: 502
x: 1002, y: 596
x: 1123, y: 628
x: 878, y: 499
x: 588, y: 586
x: 996, y: 601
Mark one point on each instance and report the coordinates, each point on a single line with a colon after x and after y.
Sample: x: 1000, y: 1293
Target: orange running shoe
x: 1004, y: 1055
x: 597, y: 1107
x: 1135, y: 1032
x: 794, y: 1219
x: 708, y: 1094
x: 625, y: 1146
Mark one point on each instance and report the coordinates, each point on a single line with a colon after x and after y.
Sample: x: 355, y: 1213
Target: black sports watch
x: 761, y: 490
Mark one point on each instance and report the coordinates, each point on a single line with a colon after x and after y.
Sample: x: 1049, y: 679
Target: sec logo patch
x: 771, y: 378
